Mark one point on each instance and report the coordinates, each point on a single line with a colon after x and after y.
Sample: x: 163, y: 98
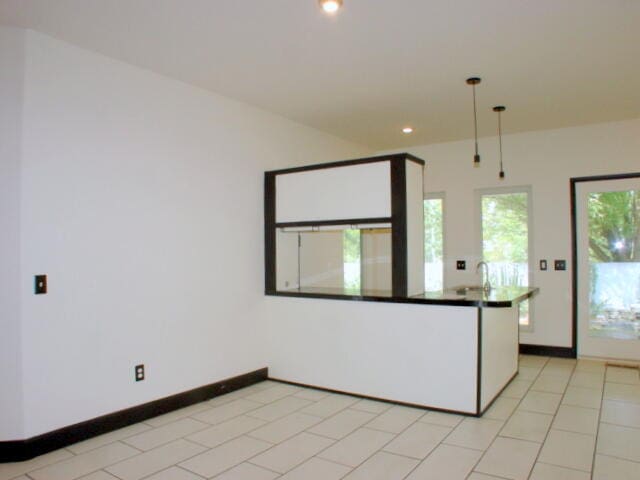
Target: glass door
x: 608, y: 268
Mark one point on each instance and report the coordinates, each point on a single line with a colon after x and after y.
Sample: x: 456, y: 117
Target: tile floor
x: 559, y: 419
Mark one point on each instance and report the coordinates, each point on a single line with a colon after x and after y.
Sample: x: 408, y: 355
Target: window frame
x: 478, y: 194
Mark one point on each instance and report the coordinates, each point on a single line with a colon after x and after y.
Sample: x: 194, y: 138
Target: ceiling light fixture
x: 473, y: 81
x: 499, y: 109
x: 330, y: 6
x: 407, y: 130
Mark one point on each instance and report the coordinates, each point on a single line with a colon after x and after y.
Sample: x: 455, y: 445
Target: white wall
x: 11, y: 78
x: 142, y: 199
x: 545, y: 160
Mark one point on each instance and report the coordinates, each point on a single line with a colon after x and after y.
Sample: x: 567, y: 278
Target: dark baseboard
x: 20, y: 450
x: 547, y: 351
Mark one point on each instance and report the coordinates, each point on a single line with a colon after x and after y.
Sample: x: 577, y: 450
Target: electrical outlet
x: 461, y: 265
x: 139, y: 372
x: 40, y: 284
x: 560, y: 264
x: 543, y: 264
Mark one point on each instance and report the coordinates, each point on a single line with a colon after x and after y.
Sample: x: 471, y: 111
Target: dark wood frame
x: 574, y: 248
x: 398, y: 219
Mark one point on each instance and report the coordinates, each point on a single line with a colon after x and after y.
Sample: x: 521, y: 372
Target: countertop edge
x: 411, y: 300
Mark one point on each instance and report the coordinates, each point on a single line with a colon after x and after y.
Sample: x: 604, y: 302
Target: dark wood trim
x: 20, y: 450
x: 574, y: 251
x: 399, y: 255
x: 574, y: 273
x: 599, y: 178
x: 348, y: 163
x: 479, y: 364
x: 547, y: 351
x: 269, y: 232
x: 343, y: 221
x: 377, y: 399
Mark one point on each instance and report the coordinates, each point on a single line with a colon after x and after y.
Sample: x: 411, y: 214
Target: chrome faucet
x: 484, y: 272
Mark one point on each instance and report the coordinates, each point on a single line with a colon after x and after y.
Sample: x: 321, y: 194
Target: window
x: 433, y: 242
x: 506, y: 240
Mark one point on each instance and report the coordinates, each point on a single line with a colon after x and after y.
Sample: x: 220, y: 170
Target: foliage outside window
x: 614, y: 264
x: 505, y: 241
x: 351, y: 257
x: 433, y: 244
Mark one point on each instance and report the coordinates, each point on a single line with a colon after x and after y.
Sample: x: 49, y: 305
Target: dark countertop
x: 500, y: 297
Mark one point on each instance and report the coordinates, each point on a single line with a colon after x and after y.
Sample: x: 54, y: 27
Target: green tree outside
x: 614, y: 226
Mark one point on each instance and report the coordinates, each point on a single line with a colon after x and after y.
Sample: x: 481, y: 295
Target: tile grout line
x: 537, y: 460
x: 381, y: 449
x: 579, y: 433
x: 274, y: 445
x: 442, y: 442
x: 595, y: 447
x: 507, y: 420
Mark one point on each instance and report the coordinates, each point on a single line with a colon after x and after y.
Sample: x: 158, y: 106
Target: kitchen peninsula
x: 383, y: 337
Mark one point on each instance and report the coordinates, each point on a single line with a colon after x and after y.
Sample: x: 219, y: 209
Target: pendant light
x: 499, y: 109
x: 473, y: 81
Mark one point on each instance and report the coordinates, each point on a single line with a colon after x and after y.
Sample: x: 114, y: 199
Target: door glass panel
x: 505, y: 242
x: 614, y: 264
x: 433, y: 244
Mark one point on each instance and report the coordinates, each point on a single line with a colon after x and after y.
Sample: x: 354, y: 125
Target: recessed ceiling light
x: 407, y: 130
x: 330, y: 6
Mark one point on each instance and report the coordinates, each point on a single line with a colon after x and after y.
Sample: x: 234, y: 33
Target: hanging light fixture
x: 473, y: 81
x: 330, y: 6
x: 499, y: 109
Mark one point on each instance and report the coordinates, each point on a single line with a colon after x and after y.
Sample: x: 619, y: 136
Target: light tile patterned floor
x: 559, y: 420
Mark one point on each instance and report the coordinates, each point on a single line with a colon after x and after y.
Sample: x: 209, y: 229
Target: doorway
x: 606, y: 278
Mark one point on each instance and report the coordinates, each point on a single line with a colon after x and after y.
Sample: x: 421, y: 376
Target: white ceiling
x: 379, y: 64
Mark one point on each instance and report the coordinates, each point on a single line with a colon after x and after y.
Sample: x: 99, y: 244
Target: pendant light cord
x: 475, y: 118
x: 473, y: 81
x: 499, y: 109
x: 500, y: 138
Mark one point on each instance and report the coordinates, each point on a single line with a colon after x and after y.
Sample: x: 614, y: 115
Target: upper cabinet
x: 344, y: 192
